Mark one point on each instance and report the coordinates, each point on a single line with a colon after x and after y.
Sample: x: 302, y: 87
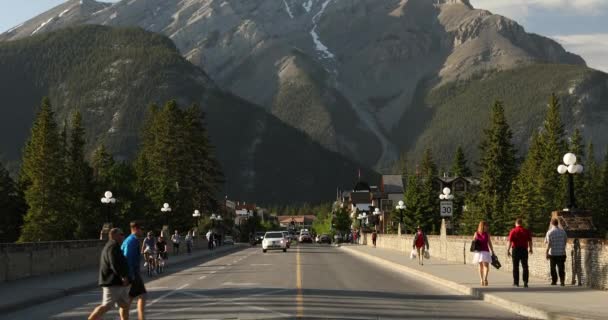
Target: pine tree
x: 551, y: 186
x: 460, y: 167
x: 525, y: 199
x: 13, y: 208
x: 79, y: 184
x: 588, y: 183
x: 43, y: 177
x: 414, y: 212
x: 176, y: 163
x: 600, y: 216
x: 427, y: 211
x: 102, y: 163
x: 498, y: 168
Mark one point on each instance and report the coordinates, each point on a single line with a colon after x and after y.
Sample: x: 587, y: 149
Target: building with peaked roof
x: 300, y: 222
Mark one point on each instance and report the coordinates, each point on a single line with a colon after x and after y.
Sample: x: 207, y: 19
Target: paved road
x: 310, y: 281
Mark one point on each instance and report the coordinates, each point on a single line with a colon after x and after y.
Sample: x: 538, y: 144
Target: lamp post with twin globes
x: 107, y: 200
x: 446, y: 205
x: 401, y: 208
x: 571, y: 168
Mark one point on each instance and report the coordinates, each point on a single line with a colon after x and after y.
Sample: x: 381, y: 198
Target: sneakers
x: 553, y: 283
x: 525, y: 284
x: 516, y: 285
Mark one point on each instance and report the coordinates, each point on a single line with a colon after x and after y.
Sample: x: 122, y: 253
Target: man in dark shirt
x: 113, y: 277
x: 520, y: 239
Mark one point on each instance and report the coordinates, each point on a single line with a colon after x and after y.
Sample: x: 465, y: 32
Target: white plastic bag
x: 427, y: 254
x: 413, y: 254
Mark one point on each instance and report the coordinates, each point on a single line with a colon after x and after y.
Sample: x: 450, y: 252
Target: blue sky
x: 581, y: 26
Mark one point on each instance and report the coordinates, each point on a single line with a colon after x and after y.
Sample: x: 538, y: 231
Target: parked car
x: 228, y: 240
x: 259, y: 236
x: 274, y: 240
x: 338, y: 238
x: 305, y: 237
x: 324, y: 239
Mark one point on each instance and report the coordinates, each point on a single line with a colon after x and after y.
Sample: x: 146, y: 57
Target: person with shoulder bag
x: 420, y: 243
x: 484, y: 251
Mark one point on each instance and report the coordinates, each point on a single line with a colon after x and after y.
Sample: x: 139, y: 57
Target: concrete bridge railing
x: 23, y: 260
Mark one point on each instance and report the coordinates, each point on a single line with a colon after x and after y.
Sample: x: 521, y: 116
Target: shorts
x: 115, y: 295
x: 137, y: 287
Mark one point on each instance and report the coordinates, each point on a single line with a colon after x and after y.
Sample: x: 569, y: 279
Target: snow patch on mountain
x: 14, y: 28
x: 288, y: 9
x: 320, y: 47
x: 307, y: 5
x: 64, y: 12
x: 42, y: 25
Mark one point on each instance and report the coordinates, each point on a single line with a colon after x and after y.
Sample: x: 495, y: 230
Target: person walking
x: 189, y: 242
x: 113, y: 277
x: 420, y: 243
x: 520, y: 240
x: 210, y: 240
x: 176, y: 239
x: 130, y: 249
x: 483, y: 257
x: 374, y: 235
x: 556, y: 240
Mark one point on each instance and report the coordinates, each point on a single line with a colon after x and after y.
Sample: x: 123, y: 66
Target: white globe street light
x: 166, y: 209
x: 108, y: 199
x: 447, y: 194
x: 401, y: 208
x: 571, y: 168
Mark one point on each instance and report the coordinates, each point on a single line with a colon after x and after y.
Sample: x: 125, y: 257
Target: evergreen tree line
x: 57, y: 193
x: 511, y: 187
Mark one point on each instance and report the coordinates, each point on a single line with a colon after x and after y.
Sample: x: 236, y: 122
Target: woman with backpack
x: 483, y: 251
x: 420, y: 243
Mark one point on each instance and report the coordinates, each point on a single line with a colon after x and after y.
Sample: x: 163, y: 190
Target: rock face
x: 345, y: 72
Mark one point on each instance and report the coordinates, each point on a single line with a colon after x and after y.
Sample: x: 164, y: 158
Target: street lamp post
x: 196, y: 215
x: 571, y: 168
x: 166, y: 209
x: 446, y: 205
x: 376, y: 214
x: 214, y: 218
x: 401, y: 208
x: 108, y: 200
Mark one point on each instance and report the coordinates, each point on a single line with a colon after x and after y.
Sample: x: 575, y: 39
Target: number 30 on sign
x: 446, y: 208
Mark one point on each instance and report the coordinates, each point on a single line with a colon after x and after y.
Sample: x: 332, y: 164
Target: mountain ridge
x: 352, y: 75
x: 111, y: 75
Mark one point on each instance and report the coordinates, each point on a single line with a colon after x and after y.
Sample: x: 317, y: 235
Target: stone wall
x: 590, y: 256
x: 23, y: 260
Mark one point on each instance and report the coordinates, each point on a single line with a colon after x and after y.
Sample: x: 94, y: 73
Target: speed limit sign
x: 446, y: 208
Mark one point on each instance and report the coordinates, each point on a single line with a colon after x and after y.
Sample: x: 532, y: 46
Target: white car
x: 274, y: 240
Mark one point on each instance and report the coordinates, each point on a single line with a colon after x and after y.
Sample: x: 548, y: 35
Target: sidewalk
x: 22, y: 293
x: 541, y: 300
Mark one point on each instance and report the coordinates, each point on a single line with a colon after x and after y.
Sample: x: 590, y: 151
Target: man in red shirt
x: 520, y: 239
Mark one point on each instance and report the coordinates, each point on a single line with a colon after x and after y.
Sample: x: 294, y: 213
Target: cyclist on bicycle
x: 148, y: 249
x: 161, y: 249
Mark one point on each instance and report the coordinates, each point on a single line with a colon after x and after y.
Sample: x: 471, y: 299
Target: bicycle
x: 150, y: 265
x: 160, y: 263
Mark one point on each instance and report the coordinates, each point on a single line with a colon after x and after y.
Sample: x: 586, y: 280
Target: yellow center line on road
x: 299, y: 297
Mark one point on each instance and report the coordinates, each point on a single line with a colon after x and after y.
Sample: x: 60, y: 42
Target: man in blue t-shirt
x: 131, y: 250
